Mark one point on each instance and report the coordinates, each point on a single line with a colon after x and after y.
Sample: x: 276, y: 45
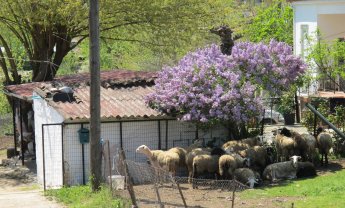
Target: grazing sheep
x: 236, y: 147
x: 311, y: 146
x: 305, y: 169
x: 229, y: 162
x: 182, y: 155
x: 324, y: 142
x: 282, y: 170
x: 246, y: 176
x: 227, y: 165
x: 257, y: 156
x: 205, y: 163
x: 300, y: 145
x: 243, y: 144
x: 285, y: 147
x: 189, y: 159
x: 252, y: 141
x: 167, y: 160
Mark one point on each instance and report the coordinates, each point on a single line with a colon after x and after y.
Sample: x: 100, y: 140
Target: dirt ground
x: 206, y: 198
x: 18, y: 184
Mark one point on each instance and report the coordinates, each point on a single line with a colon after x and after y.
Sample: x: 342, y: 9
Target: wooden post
x: 109, y: 163
x: 95, y: 145
x: 161, y: 205
x: 182, y: 197
x: 233, y: 198
x: 129, y: 180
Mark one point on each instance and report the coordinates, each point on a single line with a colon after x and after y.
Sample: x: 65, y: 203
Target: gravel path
x: 18, y: 188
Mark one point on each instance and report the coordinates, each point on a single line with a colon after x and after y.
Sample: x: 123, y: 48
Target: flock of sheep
x: 247, y: 160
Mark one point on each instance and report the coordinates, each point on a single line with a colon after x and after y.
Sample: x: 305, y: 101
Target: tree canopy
x: 273, y: 21
x: 47, y: 30
x: 207, y: 86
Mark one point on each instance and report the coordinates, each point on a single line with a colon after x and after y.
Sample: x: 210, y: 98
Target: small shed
x: 61, y: 111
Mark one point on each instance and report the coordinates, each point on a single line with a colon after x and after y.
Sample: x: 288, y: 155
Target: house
x: 61, y: 121
x: 328, y: 16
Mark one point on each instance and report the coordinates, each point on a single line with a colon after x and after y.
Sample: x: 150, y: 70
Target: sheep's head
x: 143, y: 149
x: 252, y: 182
x: 294, y: 160
x: 246, y: 162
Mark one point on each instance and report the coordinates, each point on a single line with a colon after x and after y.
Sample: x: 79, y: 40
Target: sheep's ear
x: 299, y: 157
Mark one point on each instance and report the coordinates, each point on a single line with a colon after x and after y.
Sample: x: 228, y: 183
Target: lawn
x: 322, y: 191
x: 82, y: 197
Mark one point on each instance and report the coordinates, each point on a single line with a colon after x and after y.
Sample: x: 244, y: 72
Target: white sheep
x: 282, y: 170
x: 166, y: 160
x: 246, y: 176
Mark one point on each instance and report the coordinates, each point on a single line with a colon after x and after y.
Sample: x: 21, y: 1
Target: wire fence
x: 147, y: 186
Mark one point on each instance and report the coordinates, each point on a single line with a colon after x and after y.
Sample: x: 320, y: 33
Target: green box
x: 83, y: 135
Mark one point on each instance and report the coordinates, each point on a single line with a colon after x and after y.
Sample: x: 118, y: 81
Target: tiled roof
x: 108, y: 79
x: 122, y: 95
x: 116, y: 103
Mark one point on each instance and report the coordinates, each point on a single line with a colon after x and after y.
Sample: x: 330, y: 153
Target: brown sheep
x: 189, y: 159
x: 285, y: 147
x: 257, y: 156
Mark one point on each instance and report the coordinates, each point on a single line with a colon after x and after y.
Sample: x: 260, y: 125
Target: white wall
x: 45, y: 114
x: 314, y: 15
x: 135, y: 133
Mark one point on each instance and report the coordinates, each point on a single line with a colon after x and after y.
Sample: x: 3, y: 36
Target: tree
x: 49, y: 29
x: 273, y: 21
x: 208, y: 87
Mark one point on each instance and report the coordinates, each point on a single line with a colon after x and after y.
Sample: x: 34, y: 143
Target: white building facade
x: 309, y: 15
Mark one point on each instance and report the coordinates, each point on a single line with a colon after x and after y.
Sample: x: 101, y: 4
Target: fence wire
x: 154, y: 187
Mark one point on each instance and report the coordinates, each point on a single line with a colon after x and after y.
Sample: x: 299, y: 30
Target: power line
x: 26, y: 60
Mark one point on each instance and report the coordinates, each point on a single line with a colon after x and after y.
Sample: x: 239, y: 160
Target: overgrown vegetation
x: 318, y: 192
x: 83, y: 197
x: 335, y: 115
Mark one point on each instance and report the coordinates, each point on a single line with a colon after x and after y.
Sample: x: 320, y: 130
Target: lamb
x: 167, y: 160
x: 246, y: 176
x: 285, y: 147
x: 324, y: 142
x: 305, y: 169
x: 282, y: 170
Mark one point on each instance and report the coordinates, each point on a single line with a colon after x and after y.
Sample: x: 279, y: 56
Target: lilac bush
x: 207, y: 85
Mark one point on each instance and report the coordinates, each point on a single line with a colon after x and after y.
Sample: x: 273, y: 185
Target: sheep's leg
x: 321, y: 159
x: 326, y: 159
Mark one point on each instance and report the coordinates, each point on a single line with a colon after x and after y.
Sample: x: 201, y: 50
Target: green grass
x: 82, y: 197
x: 321, y: 191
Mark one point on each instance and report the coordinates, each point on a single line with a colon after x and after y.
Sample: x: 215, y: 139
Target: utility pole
x: 95, y: 127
